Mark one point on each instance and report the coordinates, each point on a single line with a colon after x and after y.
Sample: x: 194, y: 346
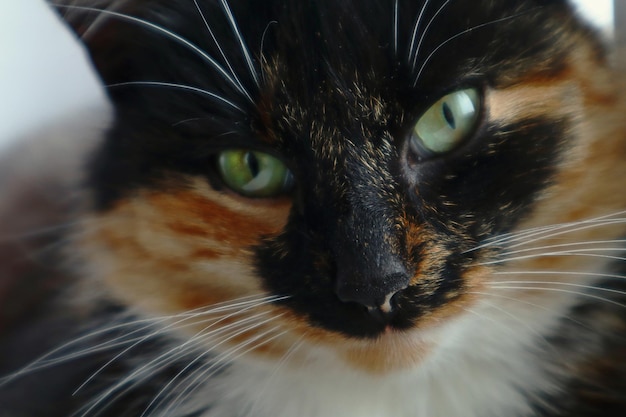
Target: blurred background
x: 45, y: 76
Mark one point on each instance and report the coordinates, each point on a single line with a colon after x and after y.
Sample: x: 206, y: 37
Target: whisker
x: 538, y: 231
x: 566, y: 245
x: 200, y: 374
x: 395, y: 27
x: 416, y: 26
x: 152, y: 335
x: 153, y: 366
x: 242, y: 44
x: 222, y: 362
x: 261, y: 53
x: 450, y: 39
x: 47, y: 360
x: 583, y: 274
x: 29, y: 249
x: 565, y: 284
x: 171, y: 35
x: 495, y: 324
x: 42, y: 231
x: 162, y: 361
x: 549, y: 234
x: 199, y: 341
x: 581, y: 252
x: 219, y: 47
x: 281, y: 363
x: 238, y: 312
x: 533, y: 305
x: 524, y: 324
x: 598, y: 222
x: 34, y: 254
x: 178, y: 87
x: 423, y: 36
x: 215, y: 321
x: 193, y: 119
x: 560, y: 290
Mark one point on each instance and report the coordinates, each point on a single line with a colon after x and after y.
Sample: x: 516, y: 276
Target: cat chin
x: 444, y: 380
x: 391, y: 352
x: 463, y: 367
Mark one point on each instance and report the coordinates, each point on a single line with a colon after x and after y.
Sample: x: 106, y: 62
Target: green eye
x: 446, y: 123
x: 254, y: 174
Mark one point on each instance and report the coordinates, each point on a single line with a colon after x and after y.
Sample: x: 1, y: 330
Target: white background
x: 44, y: 73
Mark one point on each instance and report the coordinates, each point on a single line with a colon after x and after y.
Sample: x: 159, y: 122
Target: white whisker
x: 162, y: 360
x: 178, y: 87
x: 42, y: 231
x: 533, y: 305
x: 560, y: 290
x: 152, y: 335
x: 285, y: 359
x: 581, y: 252
x: 238, y: 312
x: 395, y: 27
x: 218, y: 363
x: 495, y: 324
x: 583, y: 274
x: 576, y: 227
x: 242, y: 43
x: 48, y: 360
x: 567, y: 245
x: 154, y: 366
x: 450, y: 39
x: 565, y: 284
x: 219, y: 47
x: 206, y: 57
x: 540, y: 230
x: 522, y: 322
x: 423, y: 36
x: 416, y: 26
x: 199, y: 341
x: 261, y: 53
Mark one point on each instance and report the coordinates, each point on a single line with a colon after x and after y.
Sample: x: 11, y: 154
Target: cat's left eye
x: 447, y: 123
x: 253, y: 173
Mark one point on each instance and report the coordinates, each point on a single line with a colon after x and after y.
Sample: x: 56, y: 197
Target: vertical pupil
x: 447, y: 114
x: 252, y: 162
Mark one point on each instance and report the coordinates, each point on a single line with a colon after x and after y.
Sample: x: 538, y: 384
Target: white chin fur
x: 487, y: 363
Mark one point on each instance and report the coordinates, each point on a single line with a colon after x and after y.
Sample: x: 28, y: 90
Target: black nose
x: 375, y: 293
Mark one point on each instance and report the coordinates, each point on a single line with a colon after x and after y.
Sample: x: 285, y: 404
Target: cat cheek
x: 177, y: 249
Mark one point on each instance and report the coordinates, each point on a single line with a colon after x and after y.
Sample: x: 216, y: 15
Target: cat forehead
x: 367, y: 53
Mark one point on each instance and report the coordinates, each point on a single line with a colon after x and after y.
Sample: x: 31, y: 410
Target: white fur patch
x: 486, y: 365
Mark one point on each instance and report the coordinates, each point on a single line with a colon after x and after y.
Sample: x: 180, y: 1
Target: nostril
x: 386, y: 306
x: 373, y: 294
x: 385, y: 312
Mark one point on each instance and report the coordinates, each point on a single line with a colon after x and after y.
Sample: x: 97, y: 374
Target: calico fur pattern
x: 487, y: 281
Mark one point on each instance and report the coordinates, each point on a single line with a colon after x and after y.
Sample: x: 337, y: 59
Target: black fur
x: 336, y: 100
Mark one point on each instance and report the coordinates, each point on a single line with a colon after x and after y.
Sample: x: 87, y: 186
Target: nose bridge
x: 357, y: 209
x: 368, y: 251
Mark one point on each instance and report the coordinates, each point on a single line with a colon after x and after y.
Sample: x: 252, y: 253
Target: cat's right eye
x: 447, y: 123
x: 254, y: 174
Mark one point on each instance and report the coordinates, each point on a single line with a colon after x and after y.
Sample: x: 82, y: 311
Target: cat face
x: 366, y: 166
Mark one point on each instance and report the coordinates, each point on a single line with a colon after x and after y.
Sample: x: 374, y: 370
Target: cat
x: 324, y: 208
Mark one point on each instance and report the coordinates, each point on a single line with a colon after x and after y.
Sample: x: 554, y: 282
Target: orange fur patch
x: 172, y: 251
x: 589, y: 183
